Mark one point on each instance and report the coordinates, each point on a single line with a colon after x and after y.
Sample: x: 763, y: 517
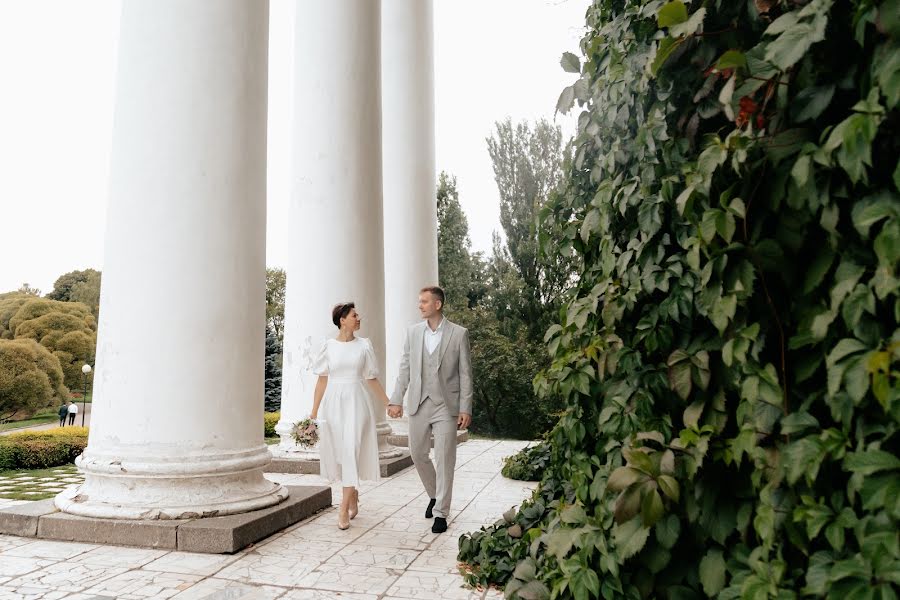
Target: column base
x: 297, y: 466
x: 120, y: 485
x: 216, y: 535
x: 386, y: 450
x: 402, y: 439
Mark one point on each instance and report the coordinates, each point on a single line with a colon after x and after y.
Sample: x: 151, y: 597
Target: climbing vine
x: 730, y: 357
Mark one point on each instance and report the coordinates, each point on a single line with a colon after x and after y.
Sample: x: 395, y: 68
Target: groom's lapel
x: 418, y: 343
x: 445, y: 340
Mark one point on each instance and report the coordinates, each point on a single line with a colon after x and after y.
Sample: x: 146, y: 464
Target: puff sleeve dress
x: 348, y: 444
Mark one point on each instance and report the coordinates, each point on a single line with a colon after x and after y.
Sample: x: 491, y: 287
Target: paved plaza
x: 389, y: 552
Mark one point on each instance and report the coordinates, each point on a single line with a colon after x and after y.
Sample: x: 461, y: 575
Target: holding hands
x: 395, y: 411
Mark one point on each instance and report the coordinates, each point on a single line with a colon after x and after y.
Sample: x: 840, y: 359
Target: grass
x: 13, y: 487
x: 42, y: 417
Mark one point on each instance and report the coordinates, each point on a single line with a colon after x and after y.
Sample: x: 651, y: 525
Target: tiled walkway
x: 389, y: 552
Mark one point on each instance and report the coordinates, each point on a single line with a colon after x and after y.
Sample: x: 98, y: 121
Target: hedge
x: 42, y: 449
x: 270, y: 420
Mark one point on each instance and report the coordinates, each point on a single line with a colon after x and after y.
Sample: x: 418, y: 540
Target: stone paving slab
x: 389, y: 552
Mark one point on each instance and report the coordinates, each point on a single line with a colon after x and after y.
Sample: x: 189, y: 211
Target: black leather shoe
x: 428, y: 513
x: 439, y: 526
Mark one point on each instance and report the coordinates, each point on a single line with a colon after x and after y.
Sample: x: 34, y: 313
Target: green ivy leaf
x: 630, y: 538
x: 859, y: 301
x: 672, y: 13
x: 566, y: 99
x: 669, y: 487
x: 803, y: 458
x: 887, y: 244
x: 694, y: 22
x: 798, y: 422
x: 691, y: 415
x: 811, y: 102
x: 533, y: 590
x: 732, y: 59
x: 570, y: 63
x: 817, y: 270
x: 667, y: 531
x: 871, y: 461
x: 560, y: 542
x: 680, y: 377
x: 651, y: 508
x: 783, y: 23
x: 573, y: 514
x: 590, y: 225
x: 712, y: 572
x: 584, y: 583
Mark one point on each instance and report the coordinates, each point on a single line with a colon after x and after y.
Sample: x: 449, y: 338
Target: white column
x: 176, y: 429
x: 336, y: 237
x: 410, y: 206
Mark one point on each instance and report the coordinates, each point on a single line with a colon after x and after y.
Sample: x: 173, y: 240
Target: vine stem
x: 762, y: 278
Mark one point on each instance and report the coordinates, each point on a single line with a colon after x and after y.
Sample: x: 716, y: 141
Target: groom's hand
x: 464, y: 421
x: 395, y: 411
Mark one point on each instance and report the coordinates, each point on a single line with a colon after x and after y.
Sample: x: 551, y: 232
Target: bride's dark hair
x: 340, y: 311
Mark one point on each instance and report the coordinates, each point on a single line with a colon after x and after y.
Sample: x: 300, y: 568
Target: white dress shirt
x: 433, y: 338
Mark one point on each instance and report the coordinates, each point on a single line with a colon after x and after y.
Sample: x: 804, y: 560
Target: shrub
x: 730, y: 360
x: 505, y: 404
x: 30, y: 377
x: 270, y: 420
x: 42, y: 449
x: 528, y: 464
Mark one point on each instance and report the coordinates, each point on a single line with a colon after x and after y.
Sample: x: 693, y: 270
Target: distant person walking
x: 63, y: 411
x: 73, y: 410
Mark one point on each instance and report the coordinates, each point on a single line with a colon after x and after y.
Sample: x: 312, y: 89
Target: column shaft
x: 177, y: 415
x: 410, y: 207
x: 336, y: 238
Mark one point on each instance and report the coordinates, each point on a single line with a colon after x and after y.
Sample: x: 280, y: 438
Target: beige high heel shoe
x: 353, y: 509
x: 342, y: 525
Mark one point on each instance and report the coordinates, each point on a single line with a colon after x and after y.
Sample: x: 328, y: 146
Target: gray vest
x: 431, y: 383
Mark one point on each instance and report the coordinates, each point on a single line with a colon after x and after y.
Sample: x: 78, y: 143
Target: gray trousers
x: 433, y: 418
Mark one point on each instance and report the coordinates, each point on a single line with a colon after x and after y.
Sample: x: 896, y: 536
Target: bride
x: 348, y: 444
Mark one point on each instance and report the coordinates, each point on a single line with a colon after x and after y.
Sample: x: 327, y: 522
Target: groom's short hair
x: 436, y: 291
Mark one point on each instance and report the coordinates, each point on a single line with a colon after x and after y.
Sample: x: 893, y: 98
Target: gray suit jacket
x: 455, y: 368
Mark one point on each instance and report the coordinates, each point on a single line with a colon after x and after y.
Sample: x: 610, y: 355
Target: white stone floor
x: 389, y: 552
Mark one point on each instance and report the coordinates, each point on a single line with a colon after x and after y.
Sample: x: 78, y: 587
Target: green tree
x: 67, y: 329
x: 30, y: 378
x: 276, y: 281
x: 10, y: 303
x: 273, y: 372
x: 88, y: 292
x: 459, y: 268
x: 28, y: 290
x: 62, y: 288
x: 505, y: 404
x: 527, y: 169
x: 730, y: 357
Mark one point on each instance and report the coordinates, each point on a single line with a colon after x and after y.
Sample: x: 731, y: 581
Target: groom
x: 438, y: 372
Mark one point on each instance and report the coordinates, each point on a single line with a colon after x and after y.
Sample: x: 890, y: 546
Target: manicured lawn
x: 37, y: 484
x: 48, y: 415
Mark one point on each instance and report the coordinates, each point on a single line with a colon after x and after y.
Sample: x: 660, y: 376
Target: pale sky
x: 493, y: 59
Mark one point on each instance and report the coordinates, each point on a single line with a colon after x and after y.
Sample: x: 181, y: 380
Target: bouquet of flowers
x: 306, y: 432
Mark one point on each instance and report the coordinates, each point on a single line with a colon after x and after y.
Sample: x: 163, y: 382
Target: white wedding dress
x: 348, y: 444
